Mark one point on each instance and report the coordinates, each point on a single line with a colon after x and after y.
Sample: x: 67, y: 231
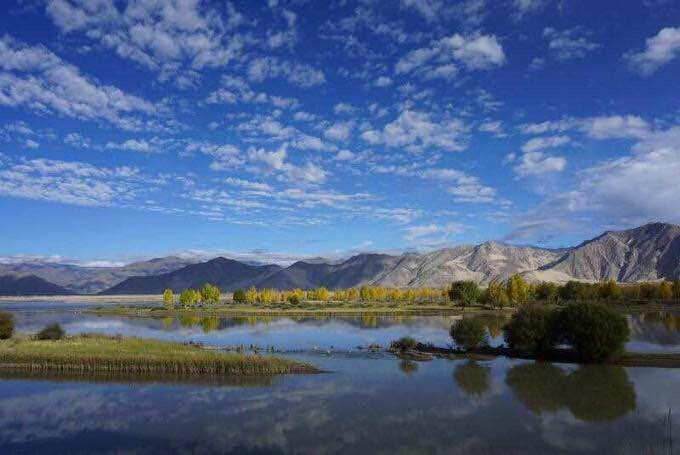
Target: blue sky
x: 298, y: 128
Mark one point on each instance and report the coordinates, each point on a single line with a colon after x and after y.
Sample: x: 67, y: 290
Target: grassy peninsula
x: 90, y: 354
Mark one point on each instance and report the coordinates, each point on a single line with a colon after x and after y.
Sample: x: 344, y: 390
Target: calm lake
x: 368, y: 402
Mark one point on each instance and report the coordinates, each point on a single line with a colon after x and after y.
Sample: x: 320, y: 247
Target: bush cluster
x: 469, y: 333
x: 403, y: 344
x: 51, y: 332
x: 595, y: 331
x: 6, y: 326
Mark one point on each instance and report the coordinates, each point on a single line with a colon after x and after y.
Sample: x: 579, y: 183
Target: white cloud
x: 70, y: 182
x: 660, y: 49
x: 535, y: 163
x: 566, y: 44
x: 615, y: 126
x: 248, y: 185
x: 476, y: 52
x: 133, y: 145
x: 225, y: 156
x: 36, y: 78
x: 495, y: 128
x: 275, y: 162
x: 383, y: 81
x: 542, y: 143
x: 344, y: 108
x: 31, y: 144
x: 174, y: 38
x: 77, y: 140
x: 416, y: 130
x: 429, y: 9
x: 432, y: 233
x: 303, y: 75
x: 523, y: 7
x: 626, y: 191
x: 339, y: 131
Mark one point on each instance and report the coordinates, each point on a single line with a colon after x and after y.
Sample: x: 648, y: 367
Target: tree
x: 210, y: 293
x: 596, y: 331
x: 496, y: 295
x: 464, y: 292
x: 665, y: 291
x: 517, y: 289
x: 547, y: 291
x: 239, y: 296
x: 167, y: 297
x: 469, y: 333
x: 320, y: 294
x: 251, y: 295
x: 189, y: 297
x: 6, y: 325
x: 676, y: 290
x: 532, y: 328
x: 609, y: 290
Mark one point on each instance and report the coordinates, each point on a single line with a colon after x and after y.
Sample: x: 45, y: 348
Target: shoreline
x: 627, y: 359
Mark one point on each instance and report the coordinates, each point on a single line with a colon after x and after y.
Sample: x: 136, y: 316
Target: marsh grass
x: 99, y: 354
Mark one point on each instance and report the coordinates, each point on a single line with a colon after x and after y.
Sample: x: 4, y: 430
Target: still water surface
x: 367, y: 403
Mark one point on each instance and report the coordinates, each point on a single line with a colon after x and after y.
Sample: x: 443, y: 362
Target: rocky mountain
x: 227, y: 274
x: 29, y: 285
x: 647, y: 253
x: 90, y: 280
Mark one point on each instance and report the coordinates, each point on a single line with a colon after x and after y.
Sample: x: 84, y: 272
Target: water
x: 367, y: 403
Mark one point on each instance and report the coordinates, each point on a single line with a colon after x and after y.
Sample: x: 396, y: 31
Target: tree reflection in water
x: 472, y: 378
x: 408, y: 367
x: 592, y: 393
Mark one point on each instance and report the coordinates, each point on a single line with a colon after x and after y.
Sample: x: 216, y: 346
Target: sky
x: 133, y: 129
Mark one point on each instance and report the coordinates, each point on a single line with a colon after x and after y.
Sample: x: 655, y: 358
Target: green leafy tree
x: 6, y: 325
x: 532, y: 329
x: 464, y: 292
x: 469, y: 333
x: 596, y: 331
x: 210, y: 294
x: 239, y: 296
x: 610, y: 290
x: 167, y: 297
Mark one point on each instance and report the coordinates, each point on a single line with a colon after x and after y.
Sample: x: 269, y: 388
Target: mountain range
x: 647, y: 253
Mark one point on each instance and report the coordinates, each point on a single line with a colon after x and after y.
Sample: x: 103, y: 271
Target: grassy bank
x: 305, y: 308
x: 92, y: 354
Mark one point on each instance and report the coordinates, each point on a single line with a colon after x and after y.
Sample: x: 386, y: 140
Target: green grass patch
x: 99, y: 354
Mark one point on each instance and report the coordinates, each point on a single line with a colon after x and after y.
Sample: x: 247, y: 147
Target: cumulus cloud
x: 568, y: 44
x: 599, y: 127
x: 339, y: 131
x: 417, y: 130
x: 625, y: 191
x: 70, y: 182
x: 300, y: 74
x: 173, y: 38
x: 659, y: 50
x: 36, y: 78
x: 475, y: 52
x: 542, y: 143
x: 432, y: 233
x: 275, y: 162
x: 535, y: 163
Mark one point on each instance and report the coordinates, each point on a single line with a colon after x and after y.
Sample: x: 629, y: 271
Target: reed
x: 99, y: 354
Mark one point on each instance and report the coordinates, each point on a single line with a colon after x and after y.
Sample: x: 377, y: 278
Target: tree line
x: 514, y: 291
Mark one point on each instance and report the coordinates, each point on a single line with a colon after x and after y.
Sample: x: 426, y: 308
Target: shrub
x: 531, y: 329
x: 51, y: 332
x: 403, y: 344
x: 189, y: 297
x: 6, y: 326
x: 465, y: 292
x: 469, y: 333
x: 293, y: 299
x: 239, y: 296
x: 596, y: 331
